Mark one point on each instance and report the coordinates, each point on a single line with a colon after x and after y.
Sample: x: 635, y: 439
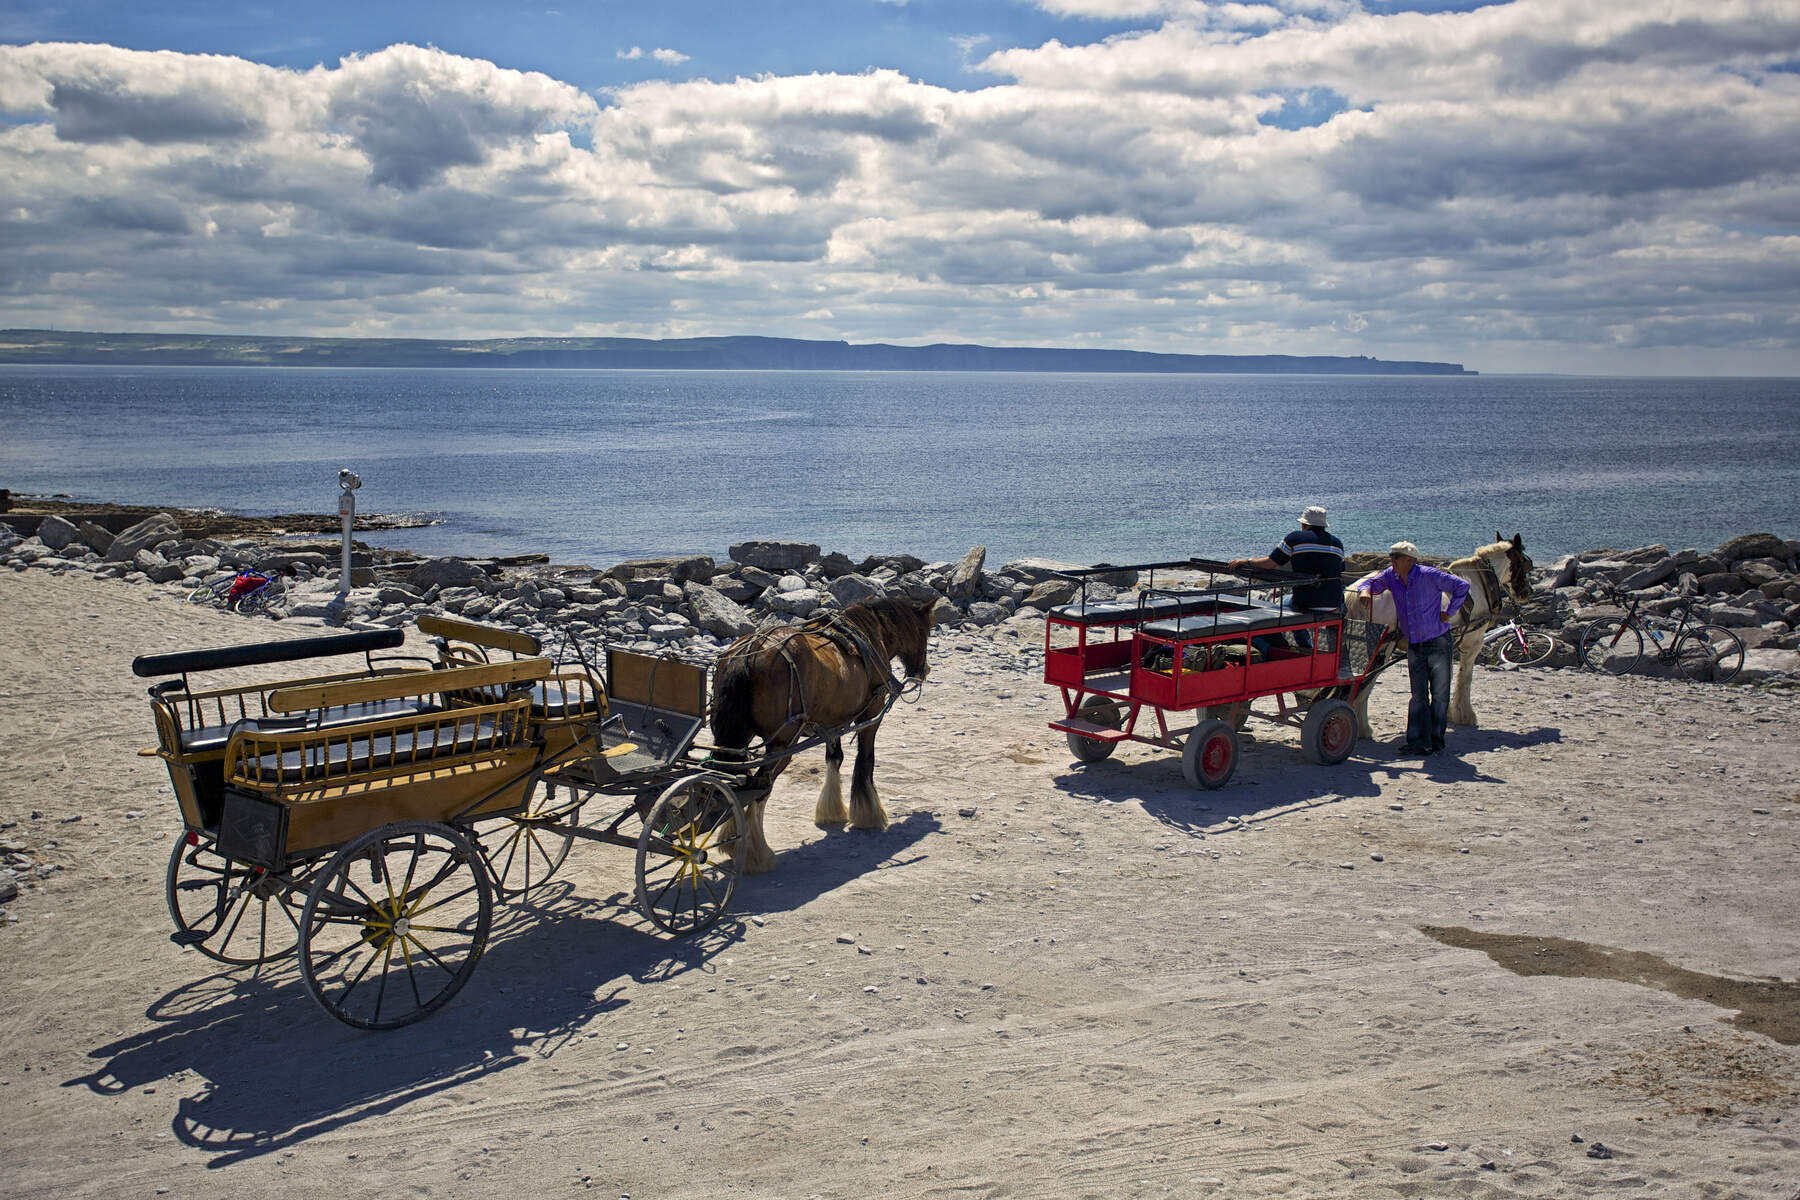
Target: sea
x: 593, y: 467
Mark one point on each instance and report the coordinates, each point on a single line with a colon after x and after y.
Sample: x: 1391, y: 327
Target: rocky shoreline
x: 691, y: 605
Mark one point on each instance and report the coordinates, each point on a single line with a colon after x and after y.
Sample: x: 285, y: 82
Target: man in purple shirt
x: 1420, y: 593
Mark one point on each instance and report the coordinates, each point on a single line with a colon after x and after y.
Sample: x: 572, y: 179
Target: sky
x: 1584, y: 186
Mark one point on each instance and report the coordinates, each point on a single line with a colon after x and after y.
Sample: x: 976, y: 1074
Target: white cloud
x: 1544, y: 183
x: 668, y: 56
x: 634, y: 52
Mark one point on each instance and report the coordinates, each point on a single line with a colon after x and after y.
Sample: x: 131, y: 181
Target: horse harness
x: 849, y: 640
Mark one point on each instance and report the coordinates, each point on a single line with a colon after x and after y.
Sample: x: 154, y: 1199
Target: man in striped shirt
x: 1309, y: 550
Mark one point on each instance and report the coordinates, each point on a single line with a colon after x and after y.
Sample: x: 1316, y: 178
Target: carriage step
x: 1088, y: 729
x: 188, y: 937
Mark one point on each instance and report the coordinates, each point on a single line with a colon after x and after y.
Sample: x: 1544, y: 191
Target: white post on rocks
x: 349, y: 481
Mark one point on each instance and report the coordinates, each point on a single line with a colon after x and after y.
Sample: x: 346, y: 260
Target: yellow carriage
x: 368, y: 818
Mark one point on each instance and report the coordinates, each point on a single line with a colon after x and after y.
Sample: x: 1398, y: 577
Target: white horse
x: 1501, y: 564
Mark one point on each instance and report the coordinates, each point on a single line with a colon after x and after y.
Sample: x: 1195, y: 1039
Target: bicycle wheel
x: 1709, y: 654
x: 206, y: 593
x: 1612, y: 646
x: 1526, y: 647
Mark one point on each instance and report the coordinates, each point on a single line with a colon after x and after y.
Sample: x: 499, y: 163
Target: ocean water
x: 596, y: 466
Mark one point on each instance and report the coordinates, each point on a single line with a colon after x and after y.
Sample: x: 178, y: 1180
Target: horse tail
x: 733, y: 722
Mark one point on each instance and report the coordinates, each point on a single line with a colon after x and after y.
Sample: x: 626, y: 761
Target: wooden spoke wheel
x: 690, y: 854
x: 1328, y: 734
x: 1210, y: 755
x: 394, y: 924
x: 1100, y: 710
x: 229, y: 911
x: 524, y: 851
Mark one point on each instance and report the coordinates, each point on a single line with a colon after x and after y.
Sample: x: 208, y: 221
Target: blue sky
x: 1571, y: 185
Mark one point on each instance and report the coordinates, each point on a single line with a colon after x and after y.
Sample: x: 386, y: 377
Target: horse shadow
x: 813, y: 869
x: 273, y: 1070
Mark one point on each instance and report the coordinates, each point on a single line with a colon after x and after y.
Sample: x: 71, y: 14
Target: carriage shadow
x: 1273, y: 779
x: 265, y: 1069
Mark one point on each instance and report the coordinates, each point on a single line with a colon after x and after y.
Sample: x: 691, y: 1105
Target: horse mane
x: 1481, y: 554
x: 878, y: 614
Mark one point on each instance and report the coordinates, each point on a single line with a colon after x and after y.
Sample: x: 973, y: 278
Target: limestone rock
x: 1754, y: 545
x: 146, y: 533
x: 100, y: 538
x: 965, y: 577
x: 801, y: 602
x: 681, y: 568
x: 57, y: 533
x: 716, y: 613
x: 445, y: 572
x: 1050, y: 593
x: 848, y: 589
x: 774, y: 556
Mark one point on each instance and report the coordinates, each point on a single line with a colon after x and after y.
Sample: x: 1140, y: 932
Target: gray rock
x: 965, y: 577
x: 9, y: 886
x: 145, y: 534
x: 275, y: 564
x: 1756, y: 572
x: 945, y: 613
x: 1733, y: 617
x: 1651, y: 575
x: 801, y: 602
x: 774, y: 556
x: 715, y: 612
x: 445, y: 572
x: 1050, y: 593
x: 737, y: 589
x: 1722, y: 582
x: 983, y: 612
x: 57, y: 533
x: 848, y: 589
x: 1754, y: 545
x: 836, y: 565
x: 100, y: 538
x: 1763, y: 664
x: 680, y: 567
x: 646, y: 587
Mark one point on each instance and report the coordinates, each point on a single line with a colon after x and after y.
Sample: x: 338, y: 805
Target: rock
x: 944, y: 613
x: 1754, y: 545
x: 276, y: 564
x: 680, y: 568
x: 965, y: 577
x: 1764, y: 664
x: 1732, y: 617
x: 899, y: 564
x: 1650, y: 575
x: 57, y: 533
x: 1566, y: 571
x: 1722, y: 582
x: 801, y: 602
x: 1755, y: 572
x: 736, y: 589
x: 1037, y: 570
x: 100, y: 538
x: 648, y: 587
x: 774, y: 556
x: 984, y: 612
x: 716, y: 613
x: 1050, y: 593
x: 145, y: 534
x: 445, y: 572
x: 9, y: 886
x: 836, y: 565
x: 848, y: 589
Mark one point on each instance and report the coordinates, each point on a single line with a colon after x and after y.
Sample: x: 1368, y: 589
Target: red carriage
x: 1125, y: 666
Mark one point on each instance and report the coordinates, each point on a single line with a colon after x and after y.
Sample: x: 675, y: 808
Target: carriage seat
x: 552, y: 703
x: 213, y: 737
x: 344, y: 756
x: 1223, y: 624
x: 1158, y: 607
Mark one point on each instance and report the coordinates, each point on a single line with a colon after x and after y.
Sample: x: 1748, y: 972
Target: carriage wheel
x: 1210, y: 755
x: 1101, y: 710
x: 524, y: 851
x: 228, y: 911
x: 395, y: 924
x: 1611, y: 646
x: 691, y: 854
x: 1709, y: 654
x: 1328, y: 734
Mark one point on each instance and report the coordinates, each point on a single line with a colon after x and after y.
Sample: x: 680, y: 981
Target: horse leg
x: 759, y: 856
x: 1360, y: 706
x: 1462, y: 708
x: 830, y: 809
x: 866, y: 811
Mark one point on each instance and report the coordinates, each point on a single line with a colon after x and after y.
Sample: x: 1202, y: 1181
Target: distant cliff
x: 712, y: 354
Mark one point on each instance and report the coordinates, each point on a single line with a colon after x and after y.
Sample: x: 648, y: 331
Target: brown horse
x: 831, y: 672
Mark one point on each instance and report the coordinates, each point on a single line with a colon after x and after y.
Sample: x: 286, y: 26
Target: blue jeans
x: 1428, y: 715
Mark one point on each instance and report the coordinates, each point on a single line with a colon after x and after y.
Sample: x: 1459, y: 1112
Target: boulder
x: 145, y: 534
x: 965, y: 577
x: 1754, y: 572
x: 945, y: 613
x: 445, y: 572
x: 1754, y: 545
x: 1765, y: 663
x: 984, y: 612
x: 1722, y: 583
x: 57, y: 533
x: 680, y: 567
x: 899, y: 564
x: 275, y: 564
x: 1050, y: 593
x: 774, y: 556
x: 801, y: 602
x: 1651, y: 575
x: 848, y: 589
x: 1732, y: 617
x: 715, y: 612
x: 836, y: 565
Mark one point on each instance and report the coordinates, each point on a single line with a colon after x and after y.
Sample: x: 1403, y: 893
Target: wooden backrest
x: 412, y: 683
x: 479, y: 635
x: 663, y: 683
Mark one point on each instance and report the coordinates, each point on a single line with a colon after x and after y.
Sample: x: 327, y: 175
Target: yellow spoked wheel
x: 523, y: 852
x: 690, y: 854
x: 394, y: 924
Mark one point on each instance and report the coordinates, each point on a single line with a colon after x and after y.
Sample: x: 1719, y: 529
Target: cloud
x: 634, y: 52
x: 1542, y: 183
x: 671, y: 57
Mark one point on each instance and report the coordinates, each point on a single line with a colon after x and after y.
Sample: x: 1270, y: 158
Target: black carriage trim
x: 149, y: 666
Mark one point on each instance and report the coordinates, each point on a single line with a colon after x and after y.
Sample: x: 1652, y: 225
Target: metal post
x: 348, y: 481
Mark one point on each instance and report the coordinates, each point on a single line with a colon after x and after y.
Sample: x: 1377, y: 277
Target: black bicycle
x: 1700, y: 651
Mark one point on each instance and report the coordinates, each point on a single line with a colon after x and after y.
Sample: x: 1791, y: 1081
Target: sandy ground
x: 1386, y: 978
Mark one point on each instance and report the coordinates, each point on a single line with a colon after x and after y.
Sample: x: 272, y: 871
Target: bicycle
x: 1516, y: 645
x: 246, y: 591
x: 1701, y: 651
